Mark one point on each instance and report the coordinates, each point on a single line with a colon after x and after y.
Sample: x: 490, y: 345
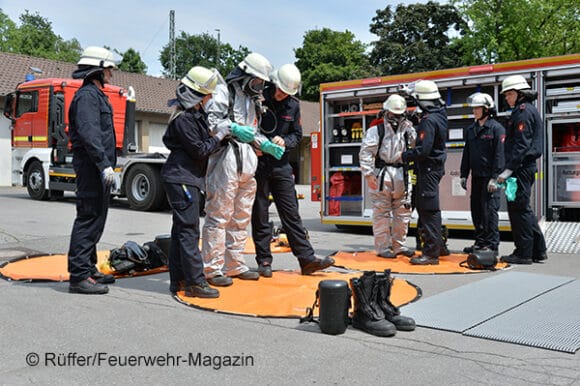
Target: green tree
x: 35, y: 37
x: 327, y: 56
x: 200, y: 50
x: 7, y: 29
x: 504, y: 30
x: 132, y: 62
x: 416, y: 37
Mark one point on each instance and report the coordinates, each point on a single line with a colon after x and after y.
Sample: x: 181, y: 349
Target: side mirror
x: 9, y: 106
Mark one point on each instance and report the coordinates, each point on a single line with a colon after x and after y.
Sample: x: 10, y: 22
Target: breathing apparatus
x: 395, y: 106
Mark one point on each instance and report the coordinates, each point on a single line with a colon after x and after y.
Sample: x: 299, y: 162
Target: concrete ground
x: 139, y: 318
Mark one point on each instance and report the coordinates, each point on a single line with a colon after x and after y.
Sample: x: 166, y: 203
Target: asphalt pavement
x: 138, y: 334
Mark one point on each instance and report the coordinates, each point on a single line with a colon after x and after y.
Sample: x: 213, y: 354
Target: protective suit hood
x: 236, y: 74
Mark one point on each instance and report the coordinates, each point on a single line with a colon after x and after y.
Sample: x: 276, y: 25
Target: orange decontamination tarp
x: 285, y: 294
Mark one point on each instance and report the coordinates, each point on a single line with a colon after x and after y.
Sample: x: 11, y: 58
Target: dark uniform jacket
x: 188, y: 138
x: 288, y: 126
x: 429, y: 151
x: 524, y: 137
x: 92, y: 132
x: 483, y: 151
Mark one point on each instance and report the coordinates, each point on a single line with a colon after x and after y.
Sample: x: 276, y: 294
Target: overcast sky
x: 273, y: 28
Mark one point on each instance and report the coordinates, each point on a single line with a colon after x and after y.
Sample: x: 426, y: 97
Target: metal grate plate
x: 469, y: 305
x: 562, y: 237
x: 550, y: 321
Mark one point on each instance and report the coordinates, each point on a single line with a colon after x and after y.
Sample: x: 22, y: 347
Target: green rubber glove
x: 271, y: 148
x: 511, y: 187
x: 243, y: 133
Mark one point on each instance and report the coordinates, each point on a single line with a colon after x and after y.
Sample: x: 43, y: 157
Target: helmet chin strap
x: 484, y: 115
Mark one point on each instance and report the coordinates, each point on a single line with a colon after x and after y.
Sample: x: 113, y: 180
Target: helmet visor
x: 475, y: 100
x: 480, y: 100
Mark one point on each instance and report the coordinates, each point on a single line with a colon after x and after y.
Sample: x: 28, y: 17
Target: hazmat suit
x: 230, y: 182
x: 390, y: 190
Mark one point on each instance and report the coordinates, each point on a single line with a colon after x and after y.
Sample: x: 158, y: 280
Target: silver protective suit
x: 391, y: 202
x: 230, y: 187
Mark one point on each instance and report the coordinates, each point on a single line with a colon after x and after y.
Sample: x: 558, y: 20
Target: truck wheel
x: 143, y: 188
x: 35, y: 179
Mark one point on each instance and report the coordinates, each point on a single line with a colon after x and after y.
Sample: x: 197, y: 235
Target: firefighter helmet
x: 256, y: 65
x: 201, y: 79
x: 396, y: 104
x: 480, y: 99
x: 287, y: 78
x: 514, y: 82
x: 426, y: 90
x: 98, y: 57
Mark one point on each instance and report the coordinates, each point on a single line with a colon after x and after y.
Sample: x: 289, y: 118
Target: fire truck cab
x: 41, y: 150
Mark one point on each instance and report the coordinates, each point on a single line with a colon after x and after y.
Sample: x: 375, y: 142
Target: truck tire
x: 35, y: 180
x: 143, y: 188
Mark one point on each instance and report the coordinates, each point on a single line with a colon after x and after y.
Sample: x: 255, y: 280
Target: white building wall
x: 5, y: 152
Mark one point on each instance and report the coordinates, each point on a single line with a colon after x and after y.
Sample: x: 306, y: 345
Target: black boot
x: 392, y: 313
x: 102, y: 278
x: 419, y: 239
x: 424, y: 260
x: 444, y: 236
x: 368, y: 315
x: 87, y: 286
x: 201, y: 290
x: 175, y: 287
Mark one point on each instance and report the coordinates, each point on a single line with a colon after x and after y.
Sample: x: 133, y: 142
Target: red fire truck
x: 41, y: 151
x: 348, y: 107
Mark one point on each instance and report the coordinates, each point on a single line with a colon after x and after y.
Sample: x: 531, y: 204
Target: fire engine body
x: 41, y: 150
x: 348, y: 107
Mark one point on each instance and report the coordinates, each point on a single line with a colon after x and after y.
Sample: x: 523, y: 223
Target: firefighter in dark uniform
x: 94, y: 156
x: 282, y: 125
x: 523, y: 146
x: 483, y: 157
x: 190, y: 142
x: 429, y: 157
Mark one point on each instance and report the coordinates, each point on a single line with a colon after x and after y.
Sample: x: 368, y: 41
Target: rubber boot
x: 368, y: 315
x: 392, y: 313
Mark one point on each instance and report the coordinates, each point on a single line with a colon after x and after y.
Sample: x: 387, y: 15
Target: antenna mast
x: 172, y: 54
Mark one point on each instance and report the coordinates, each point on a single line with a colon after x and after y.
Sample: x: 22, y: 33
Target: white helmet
x: 396, y: 104
x: 426, y: 90
x: 98, y: 57
x: 287, y: 78
x: 256, y: 65
x: 480, y: 99
x: 514, y: 82
x: 201, y: 79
